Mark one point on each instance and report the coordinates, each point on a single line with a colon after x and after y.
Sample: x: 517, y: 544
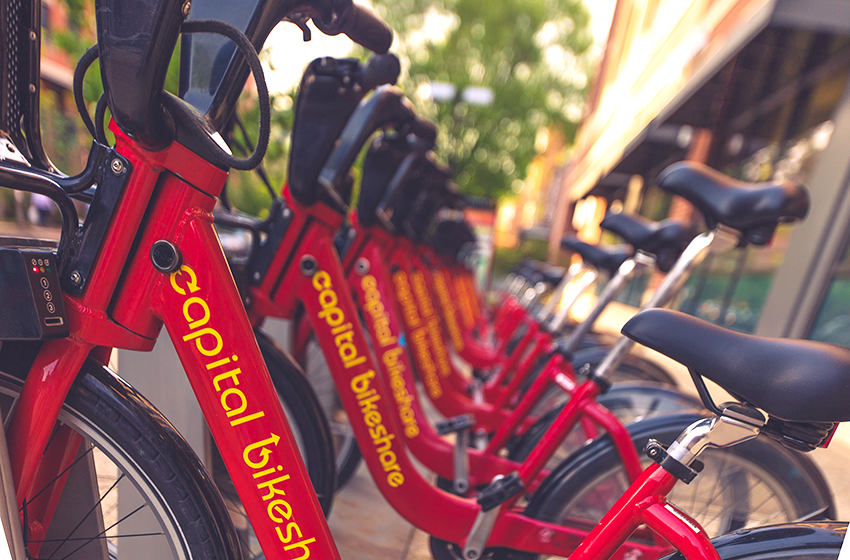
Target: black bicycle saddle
x: 549, y: 273
x: 452, y: 238
x: 665, y: 239
x: 754, y: 209
x: 330, y: 92
x: 605, y: 258
x: 794, y: 380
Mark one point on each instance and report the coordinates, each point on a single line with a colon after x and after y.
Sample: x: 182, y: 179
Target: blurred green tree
x: 532, y: 55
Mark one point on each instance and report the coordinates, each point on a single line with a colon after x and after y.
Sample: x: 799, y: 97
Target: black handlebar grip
x: 423, y: 129
x: 367, y: 29
x: 382, y: 69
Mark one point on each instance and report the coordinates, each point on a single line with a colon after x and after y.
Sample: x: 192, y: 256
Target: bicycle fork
x: 645, y: 500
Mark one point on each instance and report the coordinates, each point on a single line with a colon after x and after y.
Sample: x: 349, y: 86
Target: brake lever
x: 300, y: 19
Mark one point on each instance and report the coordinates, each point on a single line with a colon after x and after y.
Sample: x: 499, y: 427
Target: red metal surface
x: 206, y: 319
x: 508, y: 395
x: 619, y: 436
x: 370, y: 281
x: 680, y: 530
x: 566, y: 420
x: 34, y: 416
x: 368, y: 402
x: 441, y: 390
x: 625, y: 516
x: 124, y: 305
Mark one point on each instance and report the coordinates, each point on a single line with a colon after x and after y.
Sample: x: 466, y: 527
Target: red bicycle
x: 128, y: 272
x: 306, y: 249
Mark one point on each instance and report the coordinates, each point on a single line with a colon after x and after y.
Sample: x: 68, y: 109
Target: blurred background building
x: 755, y: 88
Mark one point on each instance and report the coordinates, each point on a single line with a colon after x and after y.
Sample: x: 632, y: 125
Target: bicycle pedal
x: 500, y: 491
x: 455, y: 424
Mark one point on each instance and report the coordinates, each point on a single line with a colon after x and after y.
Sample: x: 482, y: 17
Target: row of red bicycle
x: 563, y: 443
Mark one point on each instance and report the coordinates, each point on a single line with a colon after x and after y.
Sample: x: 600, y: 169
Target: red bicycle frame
x: 306, y: 270
x: 368, y: 253
x: 126, y: 302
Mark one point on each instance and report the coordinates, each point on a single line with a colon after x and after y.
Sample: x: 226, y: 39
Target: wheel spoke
x: 86, y: 516
x: 90, y: 539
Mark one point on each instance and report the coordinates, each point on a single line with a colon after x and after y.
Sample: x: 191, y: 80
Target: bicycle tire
x: 122, y: 430
x: 797, y: 485
x: 345, y: 447
x: 790, y: 541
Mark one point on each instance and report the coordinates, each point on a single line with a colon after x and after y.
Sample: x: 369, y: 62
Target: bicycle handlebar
x: 386, y: 107
x: 380, y: 70
x: 424, y: 129
x: 330, y: 93
x: 136, y: 40
x: 361, y: 25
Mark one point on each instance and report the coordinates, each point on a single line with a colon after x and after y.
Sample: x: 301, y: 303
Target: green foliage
x: 245, y: 188
x: 505, y: 259
x: 529, y: 53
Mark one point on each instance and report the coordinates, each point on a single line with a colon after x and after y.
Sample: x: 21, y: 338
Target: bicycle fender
x: 589, y: 453
x: 815, y: 540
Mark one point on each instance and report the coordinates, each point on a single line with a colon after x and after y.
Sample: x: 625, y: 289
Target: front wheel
x: 790, y: 541
x: 134, y: 484
x: 344, y: 443
x: 756, y: 483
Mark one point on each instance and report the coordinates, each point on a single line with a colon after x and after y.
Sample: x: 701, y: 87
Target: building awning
x: 650, y: 152
x: 769, y: 59
x: 768, y: 64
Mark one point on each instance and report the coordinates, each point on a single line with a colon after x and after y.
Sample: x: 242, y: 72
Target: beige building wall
x: 654, y: 49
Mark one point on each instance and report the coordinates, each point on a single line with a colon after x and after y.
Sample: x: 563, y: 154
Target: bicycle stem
x: 633, y: 268
x: 712, y: 242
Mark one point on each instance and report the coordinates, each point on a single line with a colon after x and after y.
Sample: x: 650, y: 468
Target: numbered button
x: 44, y: 283
x: 47, y: 295
x: 50, y: 307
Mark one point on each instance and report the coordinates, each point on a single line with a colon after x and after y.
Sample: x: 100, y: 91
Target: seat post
x: 549, y: 308
x: 632, y: 268
x: 736, y: 423
x: 715, y: 241
x: 588, y: 276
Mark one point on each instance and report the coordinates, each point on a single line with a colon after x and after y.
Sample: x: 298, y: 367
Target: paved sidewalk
x: 365, y: 527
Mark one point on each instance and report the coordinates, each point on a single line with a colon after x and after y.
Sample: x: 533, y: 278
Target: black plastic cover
x: 330, y: 92
x: 135, y: 41
x: 30, y: 297
x: 19, y: 109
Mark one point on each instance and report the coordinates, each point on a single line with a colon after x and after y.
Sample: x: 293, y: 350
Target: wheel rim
x: 320, y: 378
x: 728, y: 495
x: 140, y: 520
